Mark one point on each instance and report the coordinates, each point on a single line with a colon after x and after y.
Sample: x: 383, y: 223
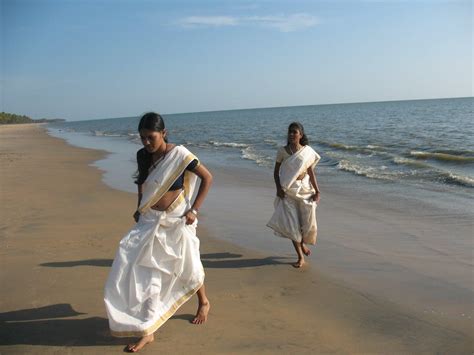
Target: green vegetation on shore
x: 11, y: 118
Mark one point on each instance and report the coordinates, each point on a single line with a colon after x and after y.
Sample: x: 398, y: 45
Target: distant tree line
x: 9, y: 118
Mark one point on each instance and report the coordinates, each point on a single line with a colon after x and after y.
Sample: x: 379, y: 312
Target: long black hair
x: 298, y: 126
x: 153, y: 122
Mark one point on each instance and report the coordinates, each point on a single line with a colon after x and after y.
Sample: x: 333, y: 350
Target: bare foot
x: 306, y: 250
x: 298, y: 264
x: 202, y: 312
x: 134, y: 348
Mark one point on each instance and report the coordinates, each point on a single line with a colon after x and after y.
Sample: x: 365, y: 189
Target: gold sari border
x: 180, y: 199
x: 172, y: 310
x: 167, y: 184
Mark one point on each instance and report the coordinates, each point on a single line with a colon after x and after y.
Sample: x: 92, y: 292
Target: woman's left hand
x: 136, y: 216
x: 190, y: 217
x: 317, y: 197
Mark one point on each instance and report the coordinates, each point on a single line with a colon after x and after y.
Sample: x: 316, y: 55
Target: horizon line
x: 271, y: 107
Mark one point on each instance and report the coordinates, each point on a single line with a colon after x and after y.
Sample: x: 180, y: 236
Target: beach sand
x: 60, y: 227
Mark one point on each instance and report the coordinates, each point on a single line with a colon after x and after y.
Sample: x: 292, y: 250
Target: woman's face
x: 151, y: 140
x: 294, y: 135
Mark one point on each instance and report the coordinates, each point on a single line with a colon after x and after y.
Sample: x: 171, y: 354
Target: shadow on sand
x: 47, y: 326
x: 211, y: 260
x: 51, y: 325
x: 88, y: 262
x: 187, y: 317
x: 225, y: 255
x: 240, y: 263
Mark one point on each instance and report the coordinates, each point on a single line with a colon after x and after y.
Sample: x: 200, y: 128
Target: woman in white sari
x: 157, y: 267
x: 297, y: 193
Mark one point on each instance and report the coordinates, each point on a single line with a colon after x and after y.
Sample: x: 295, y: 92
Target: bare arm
x: 136, y: 215
x: 276, y: 177
x: 206, y: 182
x: 314, y: 183
x: 140, y: 195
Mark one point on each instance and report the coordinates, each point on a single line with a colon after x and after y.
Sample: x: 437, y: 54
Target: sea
x: 425, y: 143
x: 398, y: 222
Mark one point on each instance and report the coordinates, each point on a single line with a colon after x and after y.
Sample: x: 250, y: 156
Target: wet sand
x: 412, y: 250
x: 60, y: 226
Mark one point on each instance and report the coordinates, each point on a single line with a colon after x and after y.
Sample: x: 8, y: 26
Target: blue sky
x: 87, y: 59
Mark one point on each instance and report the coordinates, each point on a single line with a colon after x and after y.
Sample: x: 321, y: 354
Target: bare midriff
x: 301, y: 176
x: 166, y: 200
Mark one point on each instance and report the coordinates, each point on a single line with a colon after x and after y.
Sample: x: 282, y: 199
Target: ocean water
x: 425, y: 143
x: 397, y: 180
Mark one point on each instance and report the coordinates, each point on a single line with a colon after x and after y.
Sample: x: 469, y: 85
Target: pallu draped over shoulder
x: 295, y: 214
x: 157, y: 267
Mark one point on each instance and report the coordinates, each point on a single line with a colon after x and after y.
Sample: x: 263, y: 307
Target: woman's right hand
x: 136, y: 216
x: 280, y: 193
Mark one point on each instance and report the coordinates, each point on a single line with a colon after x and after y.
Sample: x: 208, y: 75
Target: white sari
x: 157, y: 267
x: 295, y: 215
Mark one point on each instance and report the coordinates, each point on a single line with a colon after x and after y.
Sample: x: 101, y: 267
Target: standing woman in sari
x: 157, y: 267
x: 297, y: 193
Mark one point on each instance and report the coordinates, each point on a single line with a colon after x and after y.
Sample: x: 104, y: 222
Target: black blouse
x: 144, y: 162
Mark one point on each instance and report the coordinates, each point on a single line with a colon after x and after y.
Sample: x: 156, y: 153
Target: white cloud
x: 283, y: 23
x: 214, y: 21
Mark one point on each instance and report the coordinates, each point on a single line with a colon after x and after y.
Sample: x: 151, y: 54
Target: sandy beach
x: 60, y: 226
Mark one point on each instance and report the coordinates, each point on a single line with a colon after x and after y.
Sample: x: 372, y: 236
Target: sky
x: 91, y: 59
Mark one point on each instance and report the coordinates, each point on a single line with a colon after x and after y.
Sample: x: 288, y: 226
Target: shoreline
x: 395, y: 250
x: 70, y: 231
x: 413, y: 249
